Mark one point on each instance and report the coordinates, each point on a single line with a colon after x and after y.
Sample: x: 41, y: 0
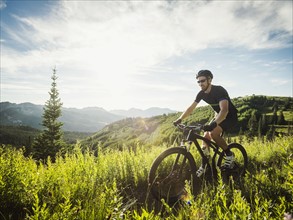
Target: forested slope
x: 258, y: 115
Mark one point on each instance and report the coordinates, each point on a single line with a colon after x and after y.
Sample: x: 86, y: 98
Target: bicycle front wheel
x: 169, y: 174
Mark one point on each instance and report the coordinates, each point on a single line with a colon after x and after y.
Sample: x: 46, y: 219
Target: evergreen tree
x: 281, y: 119
x: 264, y: 124
x: 50, y: 141
x: 275, y: 107
x: 271, y: 133
x: 259, y: 130
x: 253, y: 124
x: 240, y: 135
x: 287, y: 105
x: 274, y: 118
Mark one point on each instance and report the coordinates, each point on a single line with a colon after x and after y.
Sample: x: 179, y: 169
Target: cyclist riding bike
x: 225, y: 117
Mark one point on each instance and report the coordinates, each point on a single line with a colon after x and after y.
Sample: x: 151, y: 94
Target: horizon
x: 143, y: 109
x: 123, y: 55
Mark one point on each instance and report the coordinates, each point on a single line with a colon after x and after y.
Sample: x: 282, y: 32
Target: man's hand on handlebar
x: 210, y: 126
x: 183, y: 127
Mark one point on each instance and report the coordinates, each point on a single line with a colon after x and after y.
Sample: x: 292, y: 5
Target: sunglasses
x: 201, y: 81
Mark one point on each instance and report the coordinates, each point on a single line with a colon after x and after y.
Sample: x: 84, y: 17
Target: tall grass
x: 112, y: 184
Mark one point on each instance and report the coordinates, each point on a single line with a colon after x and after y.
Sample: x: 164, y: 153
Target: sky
x: 142, y: 54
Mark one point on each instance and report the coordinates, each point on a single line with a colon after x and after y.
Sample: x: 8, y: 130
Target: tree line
x: 265, y: 123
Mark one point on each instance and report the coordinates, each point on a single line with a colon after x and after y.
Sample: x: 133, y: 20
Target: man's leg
x: 206, y: 151
x: 216, y: 136
x: 205, y: 147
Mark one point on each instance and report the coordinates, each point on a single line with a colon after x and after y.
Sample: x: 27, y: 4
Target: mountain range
x: 135, y: 112
x: 90, y: 119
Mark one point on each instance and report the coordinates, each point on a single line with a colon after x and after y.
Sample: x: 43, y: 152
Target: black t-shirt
x: 217, y: 94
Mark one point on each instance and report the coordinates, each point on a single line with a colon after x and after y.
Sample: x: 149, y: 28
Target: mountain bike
x: 176, y: 167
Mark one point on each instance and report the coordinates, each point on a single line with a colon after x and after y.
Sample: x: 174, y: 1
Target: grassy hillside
x: 263, y: 105
x: 152, y: 131
x: 159, y: 129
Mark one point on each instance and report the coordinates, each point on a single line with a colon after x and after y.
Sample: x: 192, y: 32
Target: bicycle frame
x: 194, y: 137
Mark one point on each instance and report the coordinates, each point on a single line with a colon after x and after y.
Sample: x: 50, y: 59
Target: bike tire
x: 240, y: 164
x: 169, y: 173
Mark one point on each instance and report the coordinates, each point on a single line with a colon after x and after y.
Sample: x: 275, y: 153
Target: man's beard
x: 205, y: 89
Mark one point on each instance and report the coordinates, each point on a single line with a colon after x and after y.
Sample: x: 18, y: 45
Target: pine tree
x: 259, y: 130
x: 275, y: 107
x: 264, y: 124
x: 240, y: 135
x: 287, y: 105
x: 274, y: 118
x: 50, y: 141
x: 271, y: 133
x: 253, y: 123
x: 281, y: 119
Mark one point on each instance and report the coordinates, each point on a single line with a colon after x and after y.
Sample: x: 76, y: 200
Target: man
x: 225, y: 118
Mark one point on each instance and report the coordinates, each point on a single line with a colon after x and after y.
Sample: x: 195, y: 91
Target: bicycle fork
x: 184, y: 158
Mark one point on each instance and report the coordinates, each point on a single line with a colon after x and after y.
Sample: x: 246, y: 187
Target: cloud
x: 108, y: 42
x: 280, y: 82
x: 159, y: 28
x: 2, y: 4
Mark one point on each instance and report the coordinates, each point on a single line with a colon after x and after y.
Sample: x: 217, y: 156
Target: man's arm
x: 224, y: 109
x: 188, y: 111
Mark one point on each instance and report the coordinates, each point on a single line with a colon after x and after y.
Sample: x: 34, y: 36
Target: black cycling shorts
x: 229, y: 123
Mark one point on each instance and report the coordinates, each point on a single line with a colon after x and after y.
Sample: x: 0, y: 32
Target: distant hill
x: 150, y: 112
x: 159, y: 129
x: 89, y: 119
x: 19, y: 136
x: 82, y: 120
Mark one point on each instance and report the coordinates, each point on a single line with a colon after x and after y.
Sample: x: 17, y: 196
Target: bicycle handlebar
x: 197, y: 127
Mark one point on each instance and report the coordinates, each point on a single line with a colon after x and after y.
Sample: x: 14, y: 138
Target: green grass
x: 288, y: 115
x: 109, y: 184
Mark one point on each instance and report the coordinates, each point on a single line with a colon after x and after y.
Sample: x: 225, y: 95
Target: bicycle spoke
x: 175, y: 163
x: 240, y: 163
x: 171, y: 173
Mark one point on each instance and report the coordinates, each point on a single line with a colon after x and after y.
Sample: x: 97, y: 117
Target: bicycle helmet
x: 205, y: 73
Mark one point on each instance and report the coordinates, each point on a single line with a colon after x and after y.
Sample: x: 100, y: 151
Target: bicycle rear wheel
x: 240, y: 163
x: 169, y: 174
